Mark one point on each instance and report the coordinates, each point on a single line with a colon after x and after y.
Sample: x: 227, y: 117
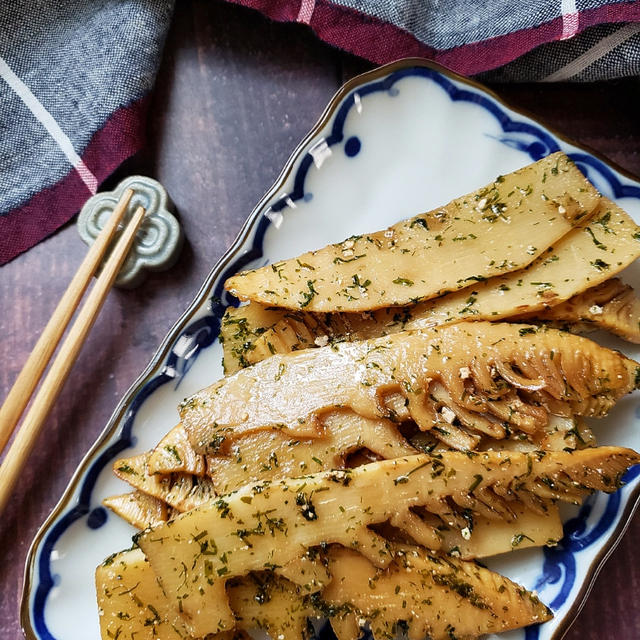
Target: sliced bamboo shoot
x: 612, y: 306
x: 242, y: 326
x: 266, y: 525
x: 499, y: 228
x: 274, y: 605
x: 131, y: 602
x: 437, y: 597
x: 489, y: 537
x: 584, y: 258
x: 460, y: 381
x: 443, y: 592
x: 138, y: 509
x: 272, y: 455
x: 174, y: 454
x: 264, y: 455
x: 182, y: 491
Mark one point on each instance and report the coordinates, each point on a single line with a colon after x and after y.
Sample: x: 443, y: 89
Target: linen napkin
x: 74, y: 80
x: 75, y: 76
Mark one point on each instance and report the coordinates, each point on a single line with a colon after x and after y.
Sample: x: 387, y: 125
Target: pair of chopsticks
x: 28, y: 379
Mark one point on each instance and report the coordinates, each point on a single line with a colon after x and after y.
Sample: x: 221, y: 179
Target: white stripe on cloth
x: 570, y: 19
x: 48, y: 122
x: 600, y: 49
x: 306, y: 11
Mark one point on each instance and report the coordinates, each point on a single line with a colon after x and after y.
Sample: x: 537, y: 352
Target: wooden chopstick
x: 37, y: 361
x: 55, y: 378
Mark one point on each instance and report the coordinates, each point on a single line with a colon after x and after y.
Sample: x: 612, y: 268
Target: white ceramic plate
x: 398, y: 140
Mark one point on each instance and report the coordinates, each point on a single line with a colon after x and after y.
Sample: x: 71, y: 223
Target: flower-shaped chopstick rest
x: 159, y: 240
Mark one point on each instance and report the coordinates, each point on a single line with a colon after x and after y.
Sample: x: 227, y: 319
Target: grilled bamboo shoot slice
x: 479, y: 235
x: 462, y: 595
x: 181, y: 491
x: 131, y: 602
x: 584, y: 258
x: 139, y: 509
x: 612, y: 306
x: 242, y: 326
x: 265, y: 525
x: 270, y: 455
x: 491, y: 378
x: 262, y: 455
x: 491, y: 537
x: 174, y: 454
x: 274, y: 605
x: 133, y: 606
x: 436, y: 596
x: 542, y: 527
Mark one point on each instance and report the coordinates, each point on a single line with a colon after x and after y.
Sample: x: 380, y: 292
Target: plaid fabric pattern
x: 75, y: 75
x: 73, y: 80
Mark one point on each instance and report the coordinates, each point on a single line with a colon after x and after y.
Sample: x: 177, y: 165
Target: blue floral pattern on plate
x: 339, y: 141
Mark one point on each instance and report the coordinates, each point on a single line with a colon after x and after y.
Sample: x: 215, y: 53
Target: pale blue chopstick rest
x: 160, y: 238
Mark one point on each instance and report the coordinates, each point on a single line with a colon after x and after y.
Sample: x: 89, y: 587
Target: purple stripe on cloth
x: 279, y: 10
x: 489, y: 54
x: 382, y: 42
x: 119, y: 138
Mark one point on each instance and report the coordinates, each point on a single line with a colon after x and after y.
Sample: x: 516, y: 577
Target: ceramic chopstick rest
x: 160, y: 238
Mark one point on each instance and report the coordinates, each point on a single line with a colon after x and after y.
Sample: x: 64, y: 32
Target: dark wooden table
x: 234, y: 95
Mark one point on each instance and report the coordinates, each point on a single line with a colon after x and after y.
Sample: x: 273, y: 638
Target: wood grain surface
x: 234, y: 95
